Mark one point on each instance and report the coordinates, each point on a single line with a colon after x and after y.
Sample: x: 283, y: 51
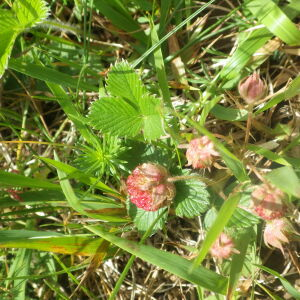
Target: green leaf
x: 122, y: 19
x: 191, y: 199
x: 143, y: 219
x: 77, y: 174
x: 238, y: 260
x: 75, y: 202
x: 150, y: 114
x: 167, y: 261
x: 289, y: 288
x: 115, y: 116
x: 292, y: 90
x: 270, y: 155
x: 229, y: 114
x: 131, y: 111
x: 12, y: 179
x: 242, y: 219
x: 30, y: 12
x: 248, y: 44
x: 269, y: 14
x: 8, y: 34
x: 285, y: 179
x: 49, y: 75
x: 123, y: 82
x: 50, y: 241
x: 20, y: 267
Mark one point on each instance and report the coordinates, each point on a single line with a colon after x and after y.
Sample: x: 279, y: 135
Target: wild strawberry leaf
x: 150, y: 113
x: 30, y: 12
x: 143, y: 219
x: 115, y: 116
x: 191, y: 199
x: 242, y: 219
x: 8, y: 34
x: 130, y: 110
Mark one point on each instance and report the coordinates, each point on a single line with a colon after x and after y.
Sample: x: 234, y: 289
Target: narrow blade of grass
x: 12, y: 179
x: 167, y: 261
x: 48, y: 74
x: 268, y: 13
x: 49, y: 241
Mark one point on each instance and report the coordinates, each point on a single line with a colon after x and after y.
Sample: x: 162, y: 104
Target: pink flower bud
x: 223, y: 247
x: 148, y: 187
x: 267, y: 202
x: 252, y: 88
x: 276, y: 231
x: 200, y: 153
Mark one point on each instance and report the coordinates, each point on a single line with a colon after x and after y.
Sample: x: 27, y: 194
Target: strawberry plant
x: 151, y: 146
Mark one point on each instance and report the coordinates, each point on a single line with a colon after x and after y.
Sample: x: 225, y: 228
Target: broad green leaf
x: 30, y: 12
x: 131, y: 111
x: 275, y: 20
x: 150, y: 114
x: 8, y: 33
x: 289, y: 288
x: 242, y: 219
x: 167, y: 261
x: 115, y: 116
x: 191, y: 199
x: 12, y: 179
x: 77, y: 174
x: 49, y: 75
x: 229, y: 114
x: 216, y: 229
x: 285, y: 179
x: 143, y: 219
x: 123, y: 82
x: 50, y: 241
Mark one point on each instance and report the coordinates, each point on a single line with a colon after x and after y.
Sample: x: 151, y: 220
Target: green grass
x: 89, y: 90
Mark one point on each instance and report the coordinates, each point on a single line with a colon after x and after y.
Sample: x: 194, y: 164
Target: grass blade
x: 167, y: 261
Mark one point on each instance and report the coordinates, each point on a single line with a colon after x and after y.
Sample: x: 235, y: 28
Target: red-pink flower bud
x: 252, y: 88
x: 148, y: 187
x: 276, y: 232
x: 200, y: 153
x: 267, y: 202
x: 223, y: 247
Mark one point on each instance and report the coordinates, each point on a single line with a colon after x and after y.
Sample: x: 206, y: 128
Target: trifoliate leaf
x: 129, y: 110
x: 191, y: 199
x: 143, y: 219
x: 30, y: 12
x: 124, y: 82
x: 115, y: 116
